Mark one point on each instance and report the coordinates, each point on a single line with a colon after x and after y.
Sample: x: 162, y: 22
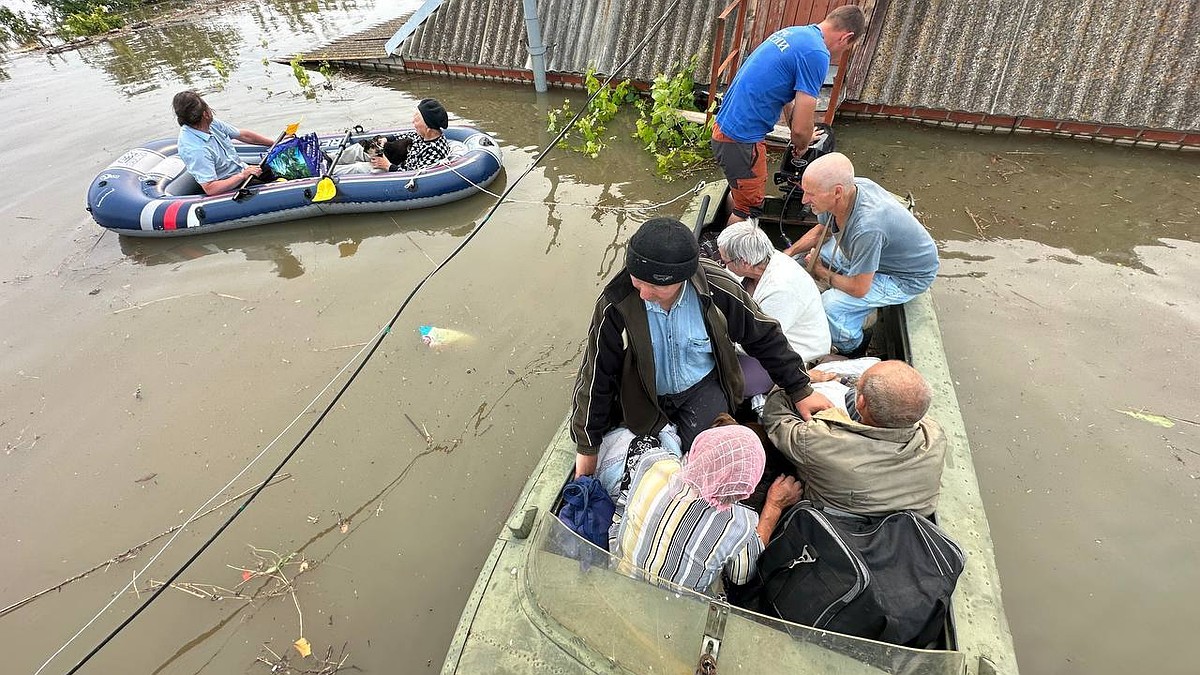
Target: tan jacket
x: 860, y: 469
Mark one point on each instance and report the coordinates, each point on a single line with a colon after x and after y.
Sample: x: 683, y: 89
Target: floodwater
x: 137, y: 377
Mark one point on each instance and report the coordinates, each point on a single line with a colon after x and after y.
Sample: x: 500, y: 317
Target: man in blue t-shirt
x: 878, y: 255
x: 206, y: 148
x: 783, y: 75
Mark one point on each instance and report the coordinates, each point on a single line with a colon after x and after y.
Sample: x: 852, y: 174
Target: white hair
x: 746, y: 242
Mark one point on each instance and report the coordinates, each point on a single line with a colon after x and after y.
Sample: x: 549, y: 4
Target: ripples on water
x: 231, y: 334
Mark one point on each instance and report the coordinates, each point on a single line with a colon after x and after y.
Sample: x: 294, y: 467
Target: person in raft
x: 414, y: 150
x: 206, y: 147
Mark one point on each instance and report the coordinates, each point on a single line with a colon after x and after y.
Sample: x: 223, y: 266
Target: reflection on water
x: 274, y: 243
x: 1088, y: 198
x: 176, y: 53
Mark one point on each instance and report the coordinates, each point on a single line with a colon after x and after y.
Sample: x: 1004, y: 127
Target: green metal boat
x: 546, y: 601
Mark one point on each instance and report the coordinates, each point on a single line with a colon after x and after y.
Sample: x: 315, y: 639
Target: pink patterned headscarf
x: 724, y: 465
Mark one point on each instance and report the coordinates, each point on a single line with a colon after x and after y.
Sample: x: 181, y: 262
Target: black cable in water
x: 378, y: 341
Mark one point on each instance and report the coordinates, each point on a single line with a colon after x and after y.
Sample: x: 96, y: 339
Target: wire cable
x: 371, y: 348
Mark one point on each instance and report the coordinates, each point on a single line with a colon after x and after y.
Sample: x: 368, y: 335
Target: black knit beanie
x: 433, y: 113
x: 662, y: 252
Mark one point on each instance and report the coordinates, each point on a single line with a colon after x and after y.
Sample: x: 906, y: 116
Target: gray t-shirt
x: 882, y: 236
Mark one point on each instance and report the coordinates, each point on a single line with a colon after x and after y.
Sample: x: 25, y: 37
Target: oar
x: 326, y: 188
x: 242, y: 192
x: 812, y: 261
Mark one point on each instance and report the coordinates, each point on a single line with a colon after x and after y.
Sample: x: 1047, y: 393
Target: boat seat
x: 182, y: 186
x: 457, y: 149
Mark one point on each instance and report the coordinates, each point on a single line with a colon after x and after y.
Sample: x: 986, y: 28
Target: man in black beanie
x: 422, y: 148
x: 660, y: 348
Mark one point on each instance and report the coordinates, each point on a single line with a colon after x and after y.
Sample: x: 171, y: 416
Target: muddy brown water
x: 139, y: 376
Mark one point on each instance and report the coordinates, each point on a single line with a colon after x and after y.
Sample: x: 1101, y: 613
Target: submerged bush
x: 95, y: 22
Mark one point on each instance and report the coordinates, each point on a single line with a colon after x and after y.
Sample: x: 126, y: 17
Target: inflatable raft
x: 147, y: 192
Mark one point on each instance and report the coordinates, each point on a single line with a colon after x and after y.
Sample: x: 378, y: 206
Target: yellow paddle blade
x: 326, y: 189
x: 291, y: 129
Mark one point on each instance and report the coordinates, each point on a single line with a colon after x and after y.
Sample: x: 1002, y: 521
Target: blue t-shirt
x: 682, y: 351
x: 209, y: 156
x: 791, y: 60
x: 882, y: 236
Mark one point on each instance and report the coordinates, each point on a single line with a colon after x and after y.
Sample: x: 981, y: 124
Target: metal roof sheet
x: 578, y: 33
x: 1129, y: 62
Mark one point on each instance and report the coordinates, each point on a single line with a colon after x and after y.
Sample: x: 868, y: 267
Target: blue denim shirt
x: 682, y: 351
x: 209, y: 156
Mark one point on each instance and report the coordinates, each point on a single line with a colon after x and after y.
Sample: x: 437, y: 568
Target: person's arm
x: 804, y: 108
x: 254, y: 138
x: 808, y: 241
x: 786, y: 429
x: 784, y: 492
x: 596, y: 386
x: 216, y: 187
x: 856, y: 285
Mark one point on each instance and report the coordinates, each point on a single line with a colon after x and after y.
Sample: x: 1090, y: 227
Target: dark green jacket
x: 616, y: 381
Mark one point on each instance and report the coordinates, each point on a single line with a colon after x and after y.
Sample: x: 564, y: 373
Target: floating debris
x: 443, y: 337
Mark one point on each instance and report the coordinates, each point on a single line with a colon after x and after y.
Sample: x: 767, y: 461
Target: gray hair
x: 746, y: 242
x: 896, y: 394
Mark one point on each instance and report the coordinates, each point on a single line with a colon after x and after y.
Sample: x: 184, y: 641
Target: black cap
x: 662, y: 252
x: 433, y: 113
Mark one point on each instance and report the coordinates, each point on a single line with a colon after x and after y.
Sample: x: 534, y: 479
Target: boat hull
x: 146, y: 192
x: 538, y: 604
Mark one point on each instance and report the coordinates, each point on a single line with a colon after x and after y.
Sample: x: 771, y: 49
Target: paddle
x: 326, y: 188
x: 242, y: 192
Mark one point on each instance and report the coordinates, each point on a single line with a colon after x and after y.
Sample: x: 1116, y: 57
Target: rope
x: 370, y: 350
x: 615, y: 209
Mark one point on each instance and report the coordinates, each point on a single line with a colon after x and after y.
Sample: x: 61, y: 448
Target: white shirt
x: 787, y: 294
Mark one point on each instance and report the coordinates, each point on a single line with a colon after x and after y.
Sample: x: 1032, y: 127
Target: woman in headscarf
x: 683, y: 522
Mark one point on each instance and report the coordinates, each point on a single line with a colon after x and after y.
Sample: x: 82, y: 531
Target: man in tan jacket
x: 890, y: 461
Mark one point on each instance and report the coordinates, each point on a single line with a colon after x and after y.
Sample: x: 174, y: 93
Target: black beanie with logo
x: 662, y: 252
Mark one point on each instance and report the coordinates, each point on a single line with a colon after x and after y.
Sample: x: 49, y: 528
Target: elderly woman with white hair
x: 683, y: 522
x: 783, y: 290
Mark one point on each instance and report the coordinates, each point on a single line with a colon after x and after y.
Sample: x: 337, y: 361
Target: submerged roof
x: 1133, y: 63
x: 365, y: 44
x: 578, y: 34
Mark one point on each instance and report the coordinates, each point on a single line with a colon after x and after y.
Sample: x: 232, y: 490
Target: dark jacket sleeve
x: 599, y: 380
x: 760, y: 335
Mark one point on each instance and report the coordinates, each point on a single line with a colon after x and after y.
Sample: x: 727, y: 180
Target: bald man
x: 890, y: 461
x: 877, y: 254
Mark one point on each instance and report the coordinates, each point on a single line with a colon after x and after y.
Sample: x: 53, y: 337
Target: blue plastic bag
x: 297, y: 157
x: 587, y: 510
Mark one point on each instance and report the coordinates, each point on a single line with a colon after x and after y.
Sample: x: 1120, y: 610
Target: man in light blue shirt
x: 206, y: 148
x: 661, y: 351
x: 879, y: 254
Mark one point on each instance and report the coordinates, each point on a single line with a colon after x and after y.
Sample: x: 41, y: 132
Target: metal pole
x: 537, y: 51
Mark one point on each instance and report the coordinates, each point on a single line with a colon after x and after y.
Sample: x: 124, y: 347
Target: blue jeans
x: 846, y: 313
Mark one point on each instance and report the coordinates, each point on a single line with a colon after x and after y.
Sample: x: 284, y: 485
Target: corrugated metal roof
x: 366, y: 44
x: 1130, y: 62
x: 578, y: 34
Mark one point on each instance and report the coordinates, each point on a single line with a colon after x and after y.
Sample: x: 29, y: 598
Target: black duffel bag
x: 888, y: 579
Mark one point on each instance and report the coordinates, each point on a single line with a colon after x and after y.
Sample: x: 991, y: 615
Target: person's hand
x: 821, y: 376
x: 820, y: 272
x: 813, y: 403
x: 784, y: 492
x: 251, y: 171
x: 585, y: 465
x: 818, y: 133
x: 381, y: 162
